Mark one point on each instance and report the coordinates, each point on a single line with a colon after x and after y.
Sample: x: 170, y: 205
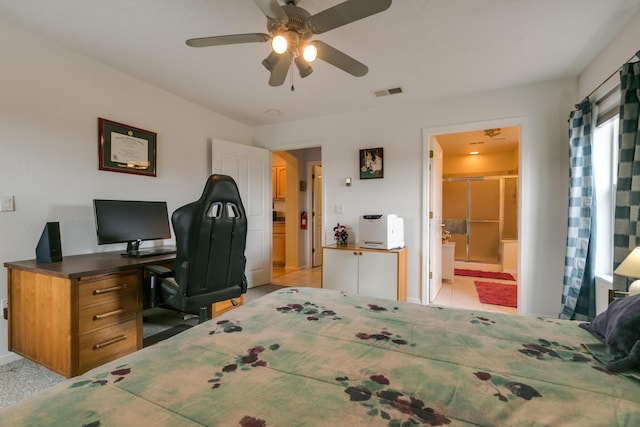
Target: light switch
x: 6, y: 204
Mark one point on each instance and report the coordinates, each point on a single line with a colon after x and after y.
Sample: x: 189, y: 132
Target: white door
x: 250, y: 167
x: 435, y: 221
x: 316, y: 216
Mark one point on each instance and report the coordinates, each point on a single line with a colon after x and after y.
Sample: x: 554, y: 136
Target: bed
x: 316, y: 357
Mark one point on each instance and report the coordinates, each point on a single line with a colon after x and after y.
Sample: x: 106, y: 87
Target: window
x: 605, y: 171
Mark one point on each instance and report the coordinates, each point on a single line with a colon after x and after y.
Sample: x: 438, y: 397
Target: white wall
x: 623, y: 47
x: 544, y: 171
x: 49, y: 108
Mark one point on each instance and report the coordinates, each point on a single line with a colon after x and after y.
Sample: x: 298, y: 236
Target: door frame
x: 426, y: 239
x: 310, y: 178
x: 304, y: 202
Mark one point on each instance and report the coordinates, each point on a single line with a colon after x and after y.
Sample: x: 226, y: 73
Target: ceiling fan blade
x: 278, y: 65
x: 230, y: 39
x: 303, y: 66
x: 339, y: 59
x: 345, y: 13
x: 272, y: 10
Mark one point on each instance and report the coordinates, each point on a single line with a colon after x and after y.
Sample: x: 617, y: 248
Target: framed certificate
x: 124, y: 148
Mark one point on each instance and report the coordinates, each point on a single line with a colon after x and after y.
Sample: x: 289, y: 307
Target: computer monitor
x: 131, y: 222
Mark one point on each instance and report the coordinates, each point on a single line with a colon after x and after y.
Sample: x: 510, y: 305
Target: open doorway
x: 477, y: 237
x: 297, y: 195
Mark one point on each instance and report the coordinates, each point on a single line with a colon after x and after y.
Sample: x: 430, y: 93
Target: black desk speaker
x: 49, y: 248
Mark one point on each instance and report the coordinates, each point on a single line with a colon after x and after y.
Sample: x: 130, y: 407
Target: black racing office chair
x: 211, y: 236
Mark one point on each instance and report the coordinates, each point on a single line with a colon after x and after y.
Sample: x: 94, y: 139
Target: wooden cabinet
x: 107, y: 317
x: 71, y: 325
x: 82, y: 312
x: 278, y: 252
x: 74, y: 315
x: 279, y: 182
x: 369, y: 272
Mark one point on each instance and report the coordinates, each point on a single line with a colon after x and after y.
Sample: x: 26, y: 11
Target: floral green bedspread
x: 313, y: 357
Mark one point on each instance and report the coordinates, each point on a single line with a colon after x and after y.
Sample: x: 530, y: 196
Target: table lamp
x: 630, y: 267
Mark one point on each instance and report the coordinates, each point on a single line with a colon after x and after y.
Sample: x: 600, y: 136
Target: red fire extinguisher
x: 303, y: 220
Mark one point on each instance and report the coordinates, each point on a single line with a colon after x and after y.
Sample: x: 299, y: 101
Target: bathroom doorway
x: 480, y: 204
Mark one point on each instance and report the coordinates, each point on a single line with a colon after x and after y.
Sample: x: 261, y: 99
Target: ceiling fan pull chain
x: 293, y: 88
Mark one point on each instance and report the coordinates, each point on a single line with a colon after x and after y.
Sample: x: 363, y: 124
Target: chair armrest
x: 159, y: 270
x: 156, y: 272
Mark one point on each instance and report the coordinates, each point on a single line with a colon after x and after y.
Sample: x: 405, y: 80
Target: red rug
x: 484, y: 274
x: 497, y: 293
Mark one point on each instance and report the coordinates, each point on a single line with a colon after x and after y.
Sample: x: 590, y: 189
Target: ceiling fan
x: 290, y: 31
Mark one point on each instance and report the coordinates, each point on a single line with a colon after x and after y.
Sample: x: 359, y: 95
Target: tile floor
x: 308, y: 277
x: 461, y: 293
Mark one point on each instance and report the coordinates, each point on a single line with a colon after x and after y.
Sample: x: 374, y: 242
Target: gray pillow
x: 619, y: 328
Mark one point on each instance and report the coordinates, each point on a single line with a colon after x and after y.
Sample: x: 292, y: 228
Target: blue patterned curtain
x: 627, y: 214
x: 578, y: 295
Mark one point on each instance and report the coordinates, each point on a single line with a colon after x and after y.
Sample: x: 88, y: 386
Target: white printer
x: 381, y: 231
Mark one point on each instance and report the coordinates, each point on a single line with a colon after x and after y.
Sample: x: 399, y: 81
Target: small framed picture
x: 124, y: 148
x: 371, y: 165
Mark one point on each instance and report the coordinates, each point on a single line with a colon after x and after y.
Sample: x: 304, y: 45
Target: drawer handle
x: 112, y: 289
x: 109, y: 342
x: 109, y: 314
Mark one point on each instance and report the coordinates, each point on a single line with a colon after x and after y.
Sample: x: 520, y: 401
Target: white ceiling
x: 430, y: 48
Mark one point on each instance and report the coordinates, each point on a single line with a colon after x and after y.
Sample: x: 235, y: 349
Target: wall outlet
x: 4, y: 303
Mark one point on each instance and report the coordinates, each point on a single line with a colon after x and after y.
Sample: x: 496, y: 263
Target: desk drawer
x: 110, y: 287
x: 98, y: 316
x: 107, y: 344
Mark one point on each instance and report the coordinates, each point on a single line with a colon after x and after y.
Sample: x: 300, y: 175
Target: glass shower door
x: 454, y: 214
x: 474, y: 211
x: 484, y: 221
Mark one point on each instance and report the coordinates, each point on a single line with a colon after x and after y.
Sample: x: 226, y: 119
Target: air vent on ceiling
x: 390, y: 91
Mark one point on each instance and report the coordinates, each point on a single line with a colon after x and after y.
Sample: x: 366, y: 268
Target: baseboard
x: 9, y: 357
x: 414, y: 300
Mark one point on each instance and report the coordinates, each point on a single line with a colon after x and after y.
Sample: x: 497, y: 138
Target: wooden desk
x: 86, y: 310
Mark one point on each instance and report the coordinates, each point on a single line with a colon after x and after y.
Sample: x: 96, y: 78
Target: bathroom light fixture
x: 474, y: 152
x: 630, y: 267
x: 492, y: 133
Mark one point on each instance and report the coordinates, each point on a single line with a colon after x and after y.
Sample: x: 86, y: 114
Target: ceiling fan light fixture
x: 279, y: 44
x: 310, y: 53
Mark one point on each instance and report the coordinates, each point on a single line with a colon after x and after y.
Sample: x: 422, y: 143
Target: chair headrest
x: 220, y: 188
